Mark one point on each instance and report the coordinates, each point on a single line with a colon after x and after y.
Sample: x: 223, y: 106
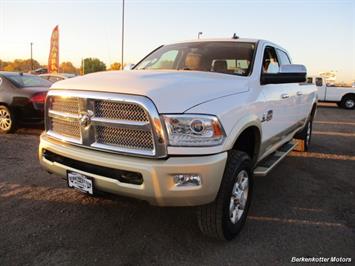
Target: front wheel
x: 7, y: 123
x: 224, y: 218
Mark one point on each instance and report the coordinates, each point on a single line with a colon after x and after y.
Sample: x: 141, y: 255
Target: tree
x: 3, y: 64
x: 68, y: 67
x: 115, y: 66
x: 92, y: 65
x: 21, y: 65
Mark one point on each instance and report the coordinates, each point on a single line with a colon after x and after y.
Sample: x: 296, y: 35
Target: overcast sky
x: 319, y: 34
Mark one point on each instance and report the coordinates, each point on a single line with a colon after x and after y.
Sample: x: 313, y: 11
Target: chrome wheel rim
x: 349, y: 103
x: 239, y: 197
x: 5, y: 120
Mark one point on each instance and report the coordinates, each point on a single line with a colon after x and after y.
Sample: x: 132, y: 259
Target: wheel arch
x: 314, y: 110
x: 5, y: 104
x: 12, y: 109
x: 348, y: 94
x: 247, y: 138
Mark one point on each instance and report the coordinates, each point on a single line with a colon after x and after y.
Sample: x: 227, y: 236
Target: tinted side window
x: 283, y: 57
x: 309, y: 80
x: 270, y: 61
x: 319, y: 82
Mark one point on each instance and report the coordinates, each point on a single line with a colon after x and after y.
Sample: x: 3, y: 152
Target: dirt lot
x: 305, y: 207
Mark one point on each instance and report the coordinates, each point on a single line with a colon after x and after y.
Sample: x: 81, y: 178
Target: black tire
x: 7, y: 120
x: 305, y: 136
x: 215, y: 219
x: 339, y: 104
x: 348, y: 102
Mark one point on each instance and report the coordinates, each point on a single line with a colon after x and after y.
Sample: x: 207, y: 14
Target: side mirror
x: 129, y: 67
x: 291, y: 73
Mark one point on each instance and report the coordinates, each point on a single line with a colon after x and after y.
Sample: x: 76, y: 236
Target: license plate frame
x: 80, y: 182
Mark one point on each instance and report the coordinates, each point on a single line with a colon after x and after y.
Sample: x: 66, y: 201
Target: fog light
x: 187, y: 180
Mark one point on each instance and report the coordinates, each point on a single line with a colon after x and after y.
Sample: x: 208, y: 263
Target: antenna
x: 235, y: 36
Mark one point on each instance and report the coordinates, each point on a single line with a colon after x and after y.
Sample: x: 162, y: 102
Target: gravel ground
x: 305, y: 207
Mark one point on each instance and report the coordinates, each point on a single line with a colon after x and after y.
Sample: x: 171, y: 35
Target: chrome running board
x: 267, y: 164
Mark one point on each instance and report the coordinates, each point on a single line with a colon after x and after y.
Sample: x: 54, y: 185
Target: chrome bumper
x: 158, y: 187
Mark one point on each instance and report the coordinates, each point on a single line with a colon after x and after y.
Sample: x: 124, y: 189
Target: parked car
x: 190, y: 125
x: 38, y: 71
x: 22, y: 98
x: 343, y: 96
x: 52, y: 77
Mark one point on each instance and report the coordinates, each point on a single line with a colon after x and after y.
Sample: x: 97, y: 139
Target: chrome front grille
x: 65, y: 105
x: 128, y: 138
x: 66, y: 128
x: 106, y: 121
x: 121, y: 111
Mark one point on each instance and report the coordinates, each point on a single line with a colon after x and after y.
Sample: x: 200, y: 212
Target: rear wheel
x: 225, y: 217
x: 308, y: 135
x: 348, y: 102
x: 7, y: 123
x: 305, y: 136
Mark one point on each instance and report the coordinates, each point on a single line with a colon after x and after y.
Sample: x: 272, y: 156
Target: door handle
x: 284, y: 96
x: 299, y: 93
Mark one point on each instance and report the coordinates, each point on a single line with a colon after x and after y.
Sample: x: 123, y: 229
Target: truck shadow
x: 66, y: 224
x: 115, y: 229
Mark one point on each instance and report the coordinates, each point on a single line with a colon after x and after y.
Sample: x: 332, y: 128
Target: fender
x: 242, y: 124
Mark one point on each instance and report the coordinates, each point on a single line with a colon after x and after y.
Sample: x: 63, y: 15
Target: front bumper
x: 158, y: 187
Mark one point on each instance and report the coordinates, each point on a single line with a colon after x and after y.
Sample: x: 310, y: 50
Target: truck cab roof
x: 245, y: 40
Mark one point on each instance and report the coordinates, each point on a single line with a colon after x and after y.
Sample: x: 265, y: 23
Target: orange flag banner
x: 53, y: 60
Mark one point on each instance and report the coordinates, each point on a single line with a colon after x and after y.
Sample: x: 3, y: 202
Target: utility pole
x: 31, y: 56
x: 122, y: 34
x: 199, y: 34
x: 83, y: 66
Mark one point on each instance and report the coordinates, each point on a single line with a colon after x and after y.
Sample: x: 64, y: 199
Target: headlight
x: 193, y: 130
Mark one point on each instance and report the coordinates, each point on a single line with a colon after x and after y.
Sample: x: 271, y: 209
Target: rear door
x: 299, y: 98
x: 321, y: 89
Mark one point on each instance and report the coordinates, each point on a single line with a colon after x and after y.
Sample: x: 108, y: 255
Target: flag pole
x: 31, y: 56
x: 122, y: 34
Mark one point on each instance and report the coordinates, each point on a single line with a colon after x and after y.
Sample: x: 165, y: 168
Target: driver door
x: 280, y: 111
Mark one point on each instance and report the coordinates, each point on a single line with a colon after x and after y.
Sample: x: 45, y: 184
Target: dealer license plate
x: 80, y: 182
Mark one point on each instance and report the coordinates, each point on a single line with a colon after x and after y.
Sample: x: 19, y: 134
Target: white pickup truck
x: 189, y: 125
x: 343, y: 96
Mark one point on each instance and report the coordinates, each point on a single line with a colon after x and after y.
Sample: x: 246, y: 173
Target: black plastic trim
x: 120, y: 175
x: 279, y: 78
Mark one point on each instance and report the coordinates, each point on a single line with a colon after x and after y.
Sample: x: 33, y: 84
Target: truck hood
x: 172, y: 91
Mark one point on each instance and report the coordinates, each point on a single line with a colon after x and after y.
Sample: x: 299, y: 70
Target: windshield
x: 25, y: 80
x: 221, y: 57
